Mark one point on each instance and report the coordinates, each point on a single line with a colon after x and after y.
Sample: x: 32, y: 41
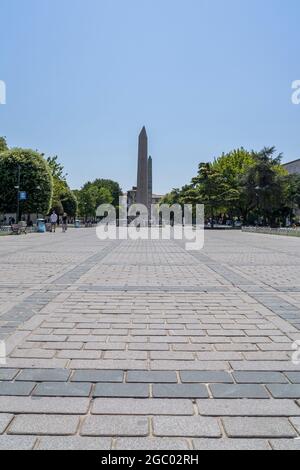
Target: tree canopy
x: 251, y: 186
x: 64, y: 200
x: 35, y: 179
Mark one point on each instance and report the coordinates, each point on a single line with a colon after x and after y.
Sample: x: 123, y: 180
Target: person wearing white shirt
x: 53, y: 221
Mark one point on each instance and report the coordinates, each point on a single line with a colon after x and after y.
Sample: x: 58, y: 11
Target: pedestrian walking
x: 53, y: 221
x: 64, y: 223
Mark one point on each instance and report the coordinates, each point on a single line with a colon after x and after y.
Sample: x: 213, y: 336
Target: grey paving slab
x: 8, y: 374
x: 43, y: 375
x: 231, y: 444
x: 244, y: 407
x: 195, y: 426
x: 285, y: 444
x: 98, y: 376
x: 258, y: 427
x: 115, y: 426
x: 294, y: 377
x: 284, y: 391
x: 296, y: 423
x: 44, y: 425
x: 238, y: 391
x: 140, y: 443
x: 59, y: 389
x: 179, y: 391
x: 121, y: 390
x: 259, y: 377
x: 136, y: 406
x: 16, y: 388
x: 49, y: 405
x: 73, y: 443
x: 151, y: 377
x: 5, y: 419
x: 17, y: 442
x: 205, y: 377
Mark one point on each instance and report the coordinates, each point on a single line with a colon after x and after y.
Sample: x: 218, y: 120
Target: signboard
x: 22, y: 196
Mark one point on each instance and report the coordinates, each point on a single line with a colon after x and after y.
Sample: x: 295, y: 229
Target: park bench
x: 20, y: 228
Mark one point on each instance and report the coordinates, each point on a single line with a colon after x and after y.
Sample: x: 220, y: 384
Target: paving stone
x: 296, y: 423
x: 140, y: 443
x: 5, y: 419
x: 195, y: 426
x: 60, y: 389
x: 205, y: 377
x: 294, y: 377
x: 47, y: 405
x: 121, y: 390
x: 179, y: 391
x: 259, y: 377
x: 108, y: 364
x: 44, y: 425
x: 74, y: 443
x: 285, y: 391
x: 285, y: 444
x: 244, y: 407
x: 277, y: 366
x: 189, y: 365
x: 258, y: 427
x: 115, y: 426
x: 151, y: 377
x: 135, y: 406
x: 231, y: 444
x: 43, y: 375
x: 8, y: 374
x: 238, y: 391
x: 97, y: 376
x: 16, y: 388
x: 17, y: 442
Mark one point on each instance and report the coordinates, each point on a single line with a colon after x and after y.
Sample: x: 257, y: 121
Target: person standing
x: 53, y: 221
x: 64, y: 223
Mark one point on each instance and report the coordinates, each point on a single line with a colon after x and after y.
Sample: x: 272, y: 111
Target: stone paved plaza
x: 143, y: 345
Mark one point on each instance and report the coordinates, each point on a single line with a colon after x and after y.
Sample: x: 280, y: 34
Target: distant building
x: 156, y: 198
x: 293, y: 167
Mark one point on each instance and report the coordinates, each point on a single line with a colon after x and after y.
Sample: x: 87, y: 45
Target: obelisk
x: 142, y: 177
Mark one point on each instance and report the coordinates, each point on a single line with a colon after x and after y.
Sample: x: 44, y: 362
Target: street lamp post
x: 18, y: 194
x: 38, y: 205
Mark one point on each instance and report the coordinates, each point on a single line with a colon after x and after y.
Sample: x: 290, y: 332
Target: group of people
x: 54, y: 222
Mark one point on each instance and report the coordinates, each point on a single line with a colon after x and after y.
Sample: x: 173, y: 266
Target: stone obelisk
x: 142, y: 177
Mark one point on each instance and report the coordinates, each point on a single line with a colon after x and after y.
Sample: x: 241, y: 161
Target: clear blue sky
x: 204, y: 76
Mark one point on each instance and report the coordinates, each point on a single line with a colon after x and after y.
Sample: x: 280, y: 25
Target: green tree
x: 264, y: 185
x: 35, y: 179
x: 64, y: 200
x: 69, y: 202
x: 211, y: 188
x: 112, y: 186
x: 171, y: 198
x: 57, y: 169
x: 90, y: 197
x: 3, y: 144
x: 233, y: 166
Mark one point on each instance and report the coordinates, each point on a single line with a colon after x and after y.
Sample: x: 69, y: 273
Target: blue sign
x: 22, y: 196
